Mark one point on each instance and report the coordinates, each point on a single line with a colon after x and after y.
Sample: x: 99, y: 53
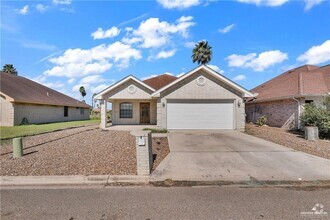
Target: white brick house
x: 199, y: 99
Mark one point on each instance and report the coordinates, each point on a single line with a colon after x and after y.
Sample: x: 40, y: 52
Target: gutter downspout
x: 299, y: 110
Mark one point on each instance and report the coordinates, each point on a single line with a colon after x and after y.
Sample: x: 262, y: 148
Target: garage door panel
x: 188, y: 115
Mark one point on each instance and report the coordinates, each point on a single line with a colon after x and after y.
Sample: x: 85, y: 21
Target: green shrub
x: 154, y: 130
x: 262, y: 120
x: 316, y: 116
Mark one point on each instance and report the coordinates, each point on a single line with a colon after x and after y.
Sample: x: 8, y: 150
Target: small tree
x: 319, y: 116
x: 202, y: 53
x: 82, y: 92
x: 9, y: 68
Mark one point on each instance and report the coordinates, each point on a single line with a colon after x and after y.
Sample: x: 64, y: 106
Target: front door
x: 144, y: 113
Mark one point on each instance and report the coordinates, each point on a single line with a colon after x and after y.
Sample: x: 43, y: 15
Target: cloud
x: 24, y: 10
x: 216, y: 68
x: 154, y: 33
x: 79, y: 62
x: 92, y: 79
x: 37, y: 45
x: 165, y: 54
x: 316, y: 54
x: 239, y: 78
x: 131, y: 40
x: 226, y: 29
x: 133, y: 19
x: 77, y: 87
x: 62, y: 2
x: 257, y: 62
x: 48, y: 57
x: 41, y: 8
x: 99, y: 88
x: 311, y: 3
x: 190, y: 44
x: 102, y: 34
x: 180, y: 74
x: 70, y: 81
x: 178, y: 4
x: 41, y: 79
x: 269, y: 3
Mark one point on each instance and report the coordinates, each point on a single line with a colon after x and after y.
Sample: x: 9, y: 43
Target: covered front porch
x: 129, y: 112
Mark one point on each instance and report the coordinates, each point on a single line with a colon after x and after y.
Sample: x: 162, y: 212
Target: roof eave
x: 245, y: 92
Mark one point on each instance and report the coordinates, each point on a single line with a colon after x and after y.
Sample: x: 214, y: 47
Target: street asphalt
x: 230, y: 202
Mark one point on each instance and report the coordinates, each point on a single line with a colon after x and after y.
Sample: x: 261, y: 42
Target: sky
x: 65, y: 44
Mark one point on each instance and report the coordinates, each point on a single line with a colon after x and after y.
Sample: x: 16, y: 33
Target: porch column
x: 104, y: 117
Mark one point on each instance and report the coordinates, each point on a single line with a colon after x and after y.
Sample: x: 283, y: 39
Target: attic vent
x: 131, y: 89
x: 200, y: 81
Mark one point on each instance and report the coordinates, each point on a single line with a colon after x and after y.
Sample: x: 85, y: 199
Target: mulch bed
x: 79, y: 151
x: 160, y: 150
x: 291, y: 139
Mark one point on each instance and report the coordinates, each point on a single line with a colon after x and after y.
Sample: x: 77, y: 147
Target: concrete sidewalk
x: 72, y: 180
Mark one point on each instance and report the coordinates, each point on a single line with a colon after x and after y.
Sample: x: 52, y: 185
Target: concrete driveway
x: 235, y: 156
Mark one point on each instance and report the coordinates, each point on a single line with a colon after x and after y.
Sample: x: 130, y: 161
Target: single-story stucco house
x: 281, y: 99
x: 199, y: 99
x: 23, y: 100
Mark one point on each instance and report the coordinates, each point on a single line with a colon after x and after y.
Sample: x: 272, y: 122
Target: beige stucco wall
x: 136, y: 111
x: 6, y: 112
x: 37, y: 114
x: 213, y: 89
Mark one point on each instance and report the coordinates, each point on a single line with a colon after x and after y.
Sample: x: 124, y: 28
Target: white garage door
x: 200, y: 114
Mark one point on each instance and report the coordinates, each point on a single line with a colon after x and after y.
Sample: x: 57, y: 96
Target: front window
x: 126, y: 110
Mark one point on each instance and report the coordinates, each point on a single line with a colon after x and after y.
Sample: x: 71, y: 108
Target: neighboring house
x: 199, y: 99
x: 281, y: 99
x: 22, y: 98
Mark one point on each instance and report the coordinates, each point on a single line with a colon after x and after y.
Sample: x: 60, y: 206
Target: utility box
x: 17, y: 147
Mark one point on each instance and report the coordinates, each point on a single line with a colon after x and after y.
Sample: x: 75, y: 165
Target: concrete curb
x: 72, y: 180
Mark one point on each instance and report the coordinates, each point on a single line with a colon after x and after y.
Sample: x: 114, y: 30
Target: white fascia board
x: 106, y: 90
x: 212, y: 72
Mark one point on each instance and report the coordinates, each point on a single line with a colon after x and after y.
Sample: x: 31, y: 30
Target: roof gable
x: 121, y: 82
x: 20, y: 89
x: 212, y: 73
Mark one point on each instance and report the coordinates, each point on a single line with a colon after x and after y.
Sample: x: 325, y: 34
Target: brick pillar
x: 144, y: 156
x: 104, y: 117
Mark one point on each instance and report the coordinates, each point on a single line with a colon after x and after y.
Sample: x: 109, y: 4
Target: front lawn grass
x: 154, y: 130
x: 26, y: 130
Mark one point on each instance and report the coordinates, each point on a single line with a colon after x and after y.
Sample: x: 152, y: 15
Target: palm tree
x: 82, y: 92
x: 9, y: 68
x: 202, y: 53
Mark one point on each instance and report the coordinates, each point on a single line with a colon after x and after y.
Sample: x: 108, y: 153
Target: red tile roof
x: 23, y: 90
x: 301, y: 81
x: 160, y: 81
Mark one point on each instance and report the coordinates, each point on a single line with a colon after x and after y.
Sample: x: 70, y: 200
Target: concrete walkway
x: 235, y: 156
